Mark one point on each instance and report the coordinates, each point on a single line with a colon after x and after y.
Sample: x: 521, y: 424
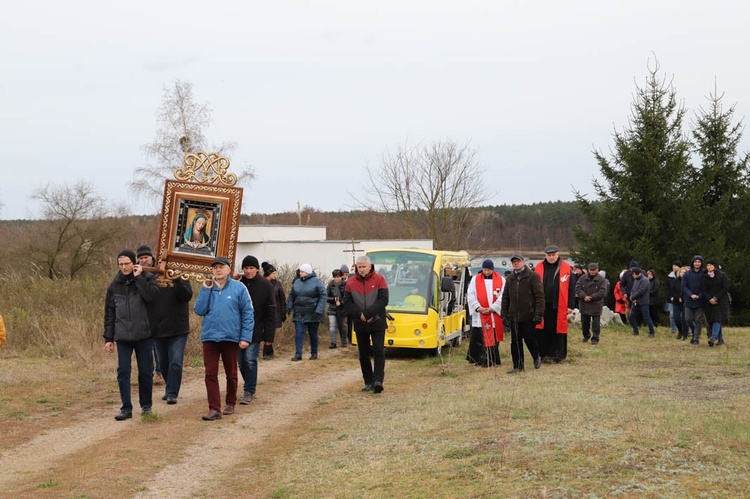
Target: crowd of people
x: 242, y: 312
x: 534, y: 303
x: 693, y: 293
x: 239, y: 314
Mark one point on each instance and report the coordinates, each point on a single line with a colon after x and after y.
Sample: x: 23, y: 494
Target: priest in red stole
x: 559, y: 298
x: 484, y: 300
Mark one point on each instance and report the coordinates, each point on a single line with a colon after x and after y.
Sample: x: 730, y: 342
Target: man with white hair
x: 365, y: 299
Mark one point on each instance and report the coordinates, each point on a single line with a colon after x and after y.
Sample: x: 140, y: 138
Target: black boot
x: 267, y: 352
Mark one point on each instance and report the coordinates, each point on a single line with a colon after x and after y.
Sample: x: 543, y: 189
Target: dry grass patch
x: 631, y: 416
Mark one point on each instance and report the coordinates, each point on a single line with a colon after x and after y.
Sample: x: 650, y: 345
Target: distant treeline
x: 503, y: 227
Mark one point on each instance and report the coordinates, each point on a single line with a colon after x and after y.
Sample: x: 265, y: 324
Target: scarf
x: 492, y: 324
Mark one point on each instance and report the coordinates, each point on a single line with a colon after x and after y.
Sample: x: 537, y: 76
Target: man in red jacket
x: 365, y: 299
x: 558, y: 299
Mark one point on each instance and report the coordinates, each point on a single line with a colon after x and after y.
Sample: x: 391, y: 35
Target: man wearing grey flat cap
x: 522, y: 308
x: 591, y: 289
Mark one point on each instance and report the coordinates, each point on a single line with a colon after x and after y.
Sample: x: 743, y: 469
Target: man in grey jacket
x: 639, y: 297
x: 591, y: 289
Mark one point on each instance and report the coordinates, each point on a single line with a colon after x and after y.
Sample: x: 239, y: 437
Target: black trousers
x: 375, y: 370
x: 522, y: 332
x: 589, y: 324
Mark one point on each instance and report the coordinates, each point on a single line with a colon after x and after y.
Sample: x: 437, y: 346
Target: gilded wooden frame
x: 199, y: 222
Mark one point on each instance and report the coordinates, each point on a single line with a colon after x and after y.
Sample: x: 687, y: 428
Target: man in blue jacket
x: 692, y: 297
x: 228, y: 322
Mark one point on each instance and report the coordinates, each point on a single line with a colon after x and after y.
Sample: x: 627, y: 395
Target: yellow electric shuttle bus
x: 427, y: 296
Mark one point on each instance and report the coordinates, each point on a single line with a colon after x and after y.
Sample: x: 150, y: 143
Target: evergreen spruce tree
x: 720, y: 194
x: 639, y: 210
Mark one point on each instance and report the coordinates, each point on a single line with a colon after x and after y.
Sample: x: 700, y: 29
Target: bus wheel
x: 456, y: 342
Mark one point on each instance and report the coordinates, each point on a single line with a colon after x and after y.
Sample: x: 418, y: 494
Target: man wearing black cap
x: 170, y: 325
x: 640, y: 298
x: 522, y: 308
x: 227, y: 328
x: 126, y: 323
x: 559, y: 302
x: 591, y: 289
x: 484, y: 299
x: 264, y: 308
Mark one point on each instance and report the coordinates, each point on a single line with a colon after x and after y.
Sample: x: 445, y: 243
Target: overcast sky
x: 312, y: 92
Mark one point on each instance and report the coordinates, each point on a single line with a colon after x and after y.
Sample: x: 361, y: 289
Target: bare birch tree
x: 180, y: 126
x: 432, y: 188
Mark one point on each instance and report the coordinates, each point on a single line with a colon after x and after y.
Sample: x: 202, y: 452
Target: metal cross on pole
x: 353, y: 251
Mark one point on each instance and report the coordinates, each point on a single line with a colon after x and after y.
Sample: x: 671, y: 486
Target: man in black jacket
x: 126, y: 323
x: 522, y: 309
x: 170, y: 325
x: 264, y: 304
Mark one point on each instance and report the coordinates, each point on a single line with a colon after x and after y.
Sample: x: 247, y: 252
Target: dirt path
x: 286, y: 391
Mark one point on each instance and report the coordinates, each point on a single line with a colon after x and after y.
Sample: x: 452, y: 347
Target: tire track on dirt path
x: 222, y: 446
x: 28, y: 462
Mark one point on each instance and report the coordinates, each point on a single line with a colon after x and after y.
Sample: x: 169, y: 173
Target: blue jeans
x: 157, y: 364
x: 672, y: 323
x: 143, y: 350
x: 643, y: 309
x: 299, y: 337
x: 171, y: 352
x: 248, y: 364
x: 716, y: 332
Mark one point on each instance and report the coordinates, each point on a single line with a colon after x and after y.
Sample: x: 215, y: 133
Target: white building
x: 293, y: 245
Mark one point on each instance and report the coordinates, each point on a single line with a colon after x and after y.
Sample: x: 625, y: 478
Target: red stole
x: 562, y: 295
x: 490, y: 322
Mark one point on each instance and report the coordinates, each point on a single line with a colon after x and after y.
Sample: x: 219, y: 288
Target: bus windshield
x: 409, y: 276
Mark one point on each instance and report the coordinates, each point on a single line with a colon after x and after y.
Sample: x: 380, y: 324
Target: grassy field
x: 631, y: 416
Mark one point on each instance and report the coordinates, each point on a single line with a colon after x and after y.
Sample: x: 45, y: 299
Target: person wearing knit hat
x: 269, y: 272
x: 483, y: 298
x: 143, y: 250
x: 261, y: 292
x: 268, y: 269
x: 345, y: 271
x: 170, y: 323
x: 307, y: 301
x: 126, y: 324
x: 146, y: 260
x: 250, y: 261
